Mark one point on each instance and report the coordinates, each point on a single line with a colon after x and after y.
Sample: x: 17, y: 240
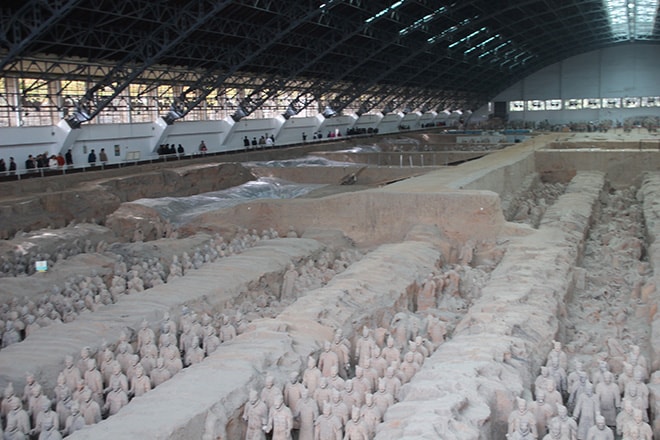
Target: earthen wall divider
x: 650, y: 195
x: 466, y: 389
x: 209, y: 395
x: 215, y: 283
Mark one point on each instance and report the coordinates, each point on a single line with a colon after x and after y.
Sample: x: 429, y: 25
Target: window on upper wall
x: 573, y: 104
x: 553, y: 104
x: 651, y: 101
x: 535, y: 105
x: 592, y: 103
x: 74, y: 88
x: 630, y: 102
x: 35, y: 105
x: 516, y: 106
x: 611, y: 102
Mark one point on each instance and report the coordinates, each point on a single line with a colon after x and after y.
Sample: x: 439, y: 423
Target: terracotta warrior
x: 255, y: 414
x: 292, y: 391
x: 327, y: 426
x: 355, y: 428
x: 311, y: 375
x: 328, y: 359
x: 519, y: 415
x: 600, y: 431
x: 270, y: 391
x: 305, y: 413
x: 280, y: 420
x: 115, y: 400
x: 18, y: 421
x: 160, y: 374
x: 140, y: 384
x: 609, y: 397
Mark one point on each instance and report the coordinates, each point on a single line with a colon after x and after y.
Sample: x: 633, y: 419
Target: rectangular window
x: 74, y: 88
x: 611, y: 102
x: 553, y: 104
x: 36, y: 107
x: 516, y: 106
x: 573, y: 104
x: 630, y: 102
x: 535, y: 105
x: 5, y: 106
x: 592, y: 103
x: 651, y: 101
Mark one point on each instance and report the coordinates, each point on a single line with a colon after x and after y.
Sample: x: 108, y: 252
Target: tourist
x: 91, y: 158
x: 30, y: 163
x: 102, y: 156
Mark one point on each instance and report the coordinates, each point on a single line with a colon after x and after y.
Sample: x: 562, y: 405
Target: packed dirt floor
x: 513, y: 294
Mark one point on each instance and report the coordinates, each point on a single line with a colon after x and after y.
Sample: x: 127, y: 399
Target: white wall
x: 428, y: 118
x: 293, y: 129
x: 390, y: 123
x: 411, y: 120
x: 15, y: 140
x: 367, y: 121
x: 129, y: 137
x: 338, y: 123
x: 191, y: 133
x: 628, y: 70
x: 252, y: 128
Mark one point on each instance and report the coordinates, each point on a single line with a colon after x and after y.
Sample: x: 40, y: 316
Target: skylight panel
x: 495, y: 49
x: 446, y: 32
x: 385, y: 11
x: 467, y: 37
x: 422, y: 21
x: 647, y: 11
x: 442, y: 35
x: 631, y: 19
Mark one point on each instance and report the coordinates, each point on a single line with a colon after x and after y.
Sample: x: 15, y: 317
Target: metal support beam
x: 172, y: 31
x: 20, y: 29
x: 248, y: 50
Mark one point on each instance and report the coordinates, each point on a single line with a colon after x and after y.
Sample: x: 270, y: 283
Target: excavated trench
x: 606, y: 312
x: 467, y: 388
x: 259, y: 301
x: 581, y: 273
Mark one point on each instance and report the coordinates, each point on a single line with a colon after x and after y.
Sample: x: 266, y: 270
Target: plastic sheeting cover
x: 307, y: 161
x: 362, y: 149
x: 179, y: 210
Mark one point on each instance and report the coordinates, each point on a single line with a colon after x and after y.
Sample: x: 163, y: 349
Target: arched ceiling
x: 428, y: 53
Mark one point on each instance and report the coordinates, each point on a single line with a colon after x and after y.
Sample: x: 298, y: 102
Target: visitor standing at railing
x: 30, y: 163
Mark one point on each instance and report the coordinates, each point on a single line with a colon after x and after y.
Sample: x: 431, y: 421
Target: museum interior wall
x: 620, y: 73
